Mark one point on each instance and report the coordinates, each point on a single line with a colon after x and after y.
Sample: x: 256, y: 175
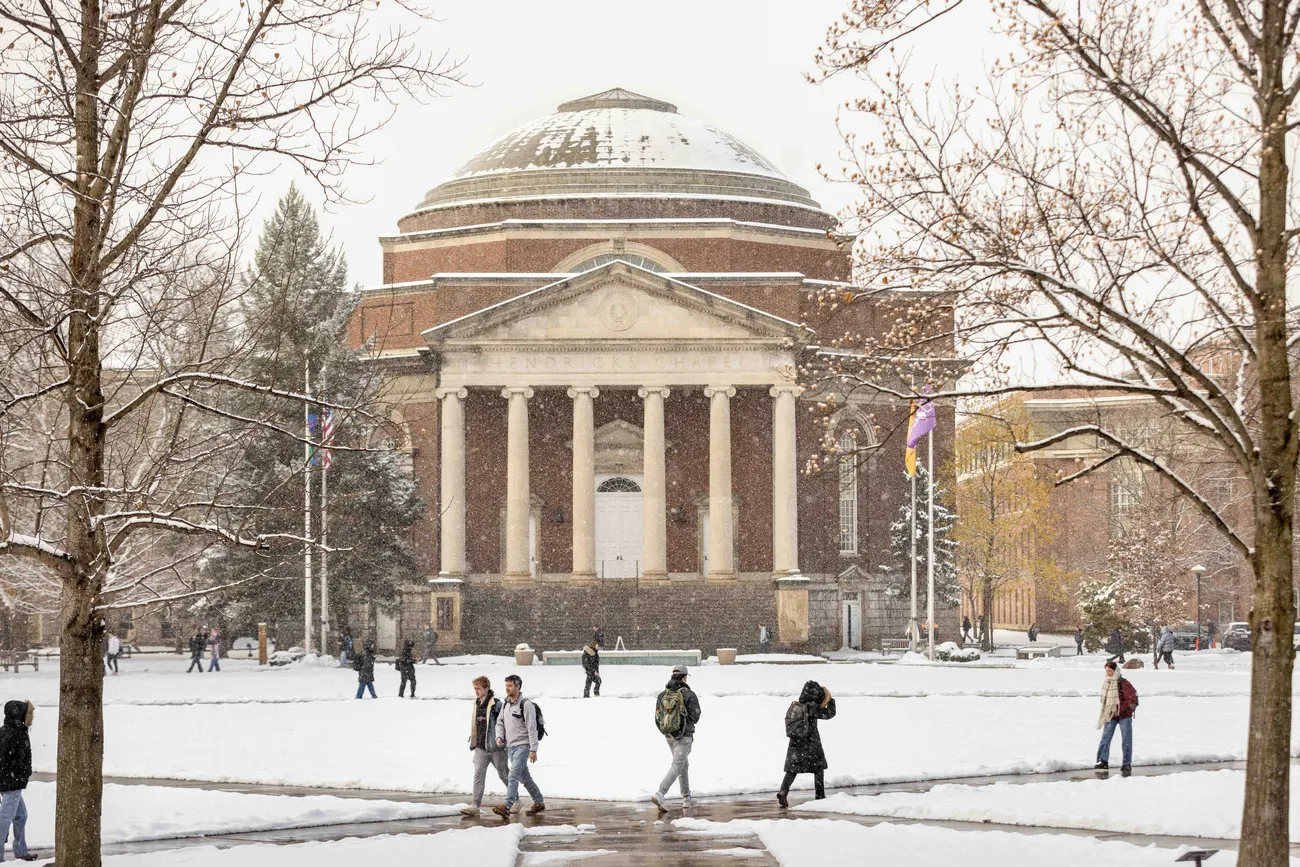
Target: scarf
x: 1109, y: 699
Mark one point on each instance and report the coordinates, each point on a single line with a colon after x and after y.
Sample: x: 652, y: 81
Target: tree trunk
x: 986, y: 637
x: 79, y: 794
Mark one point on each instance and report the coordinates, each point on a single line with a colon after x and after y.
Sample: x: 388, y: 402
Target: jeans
x: 1125, y: 727
x: 361, y: 688
x: 519, y: 773
x: 215, y: 665
x: 401, y: 689
x: 681, y: 750
x: 819, y: 784
x: 343, y: 659
x: 110, y: 662
x: 593, y: 678
x: 1078, y: 650
x: 497, y: 759
x: 13, y: 811
x: 195, y: 660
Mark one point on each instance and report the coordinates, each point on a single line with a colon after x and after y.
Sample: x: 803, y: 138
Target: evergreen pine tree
x: 947, y: 592
x: 296, y: 310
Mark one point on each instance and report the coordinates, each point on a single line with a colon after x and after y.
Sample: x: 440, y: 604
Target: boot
x: 781, y: 799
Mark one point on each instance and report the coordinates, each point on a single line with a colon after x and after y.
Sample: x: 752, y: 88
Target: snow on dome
x: 617, y: 142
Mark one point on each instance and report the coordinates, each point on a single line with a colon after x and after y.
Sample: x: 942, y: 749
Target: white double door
x: 619, y: 530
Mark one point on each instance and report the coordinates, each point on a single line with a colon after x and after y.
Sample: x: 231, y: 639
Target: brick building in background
x: 592, y: 331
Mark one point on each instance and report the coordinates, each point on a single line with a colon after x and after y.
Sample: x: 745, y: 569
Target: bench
x: 1038, y: 651
x: 889, y: 645
x: 625, y: 657
x: 18, y: 658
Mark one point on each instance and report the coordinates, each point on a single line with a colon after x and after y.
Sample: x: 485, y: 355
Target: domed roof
x: 617, y: 143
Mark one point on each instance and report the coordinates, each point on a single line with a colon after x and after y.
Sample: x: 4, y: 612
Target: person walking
x: 214, y: 641
x: 405, y: 666
x: 1119, y: 702
x: 965, y: 629
x: 1078, y: 641
x: 764, y: 639
x: 1165, y: 648
x: 519, y: 730
x: 1211, y: 631
x: 591, y: 665
x: 431, y: 644
x: 15, y: 771
x: 598, y: 637
x: 197, y: 643
x: 1033, y: 632
x: 677, y: 710
x: 112, y: 652
x: 364, y: 665
x: 805, y: 755
x: 345, y: 647
x: 1115, y: 646
x: 483, y: 742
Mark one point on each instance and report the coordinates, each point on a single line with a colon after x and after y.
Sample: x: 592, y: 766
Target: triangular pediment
x: 615, y: 302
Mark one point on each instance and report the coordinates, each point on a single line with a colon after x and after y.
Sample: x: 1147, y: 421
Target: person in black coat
x: 405, y: 666
x: 15, y: 771
x: 591, y: 665
x: 364, y: 664
x: 805, y: 755
x: 198, y: 641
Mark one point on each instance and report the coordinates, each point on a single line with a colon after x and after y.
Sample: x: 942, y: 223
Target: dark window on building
x: 446, y: 611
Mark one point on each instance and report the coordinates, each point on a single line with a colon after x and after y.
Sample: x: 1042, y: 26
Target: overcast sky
x: 738, y: 64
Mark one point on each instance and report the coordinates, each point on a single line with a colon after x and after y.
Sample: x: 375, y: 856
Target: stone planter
x: 523, y: 657
x: 726, y: 656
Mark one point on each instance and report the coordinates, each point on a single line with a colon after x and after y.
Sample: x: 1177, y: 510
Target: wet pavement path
x: 633, y: 834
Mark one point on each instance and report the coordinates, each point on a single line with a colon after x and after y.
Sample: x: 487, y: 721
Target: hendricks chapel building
x: 591, y: 331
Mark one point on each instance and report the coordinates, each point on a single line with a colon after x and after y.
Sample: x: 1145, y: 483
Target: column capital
x: 778, y: 390
x: 462, y: 392
x: 646, y: 390
x: 728, y: 390
x: 512, y: 390
x: 589, y: 390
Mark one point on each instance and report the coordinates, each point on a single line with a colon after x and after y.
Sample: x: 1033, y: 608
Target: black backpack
x: 541, y: 723
x: 796, y: 721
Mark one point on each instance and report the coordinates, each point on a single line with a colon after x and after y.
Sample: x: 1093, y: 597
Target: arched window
x: 606, y: 258
x: 618, y: 485
x: 848, y: 494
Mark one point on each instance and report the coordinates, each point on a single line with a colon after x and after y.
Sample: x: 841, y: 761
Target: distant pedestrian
x: 364, y: 665
x: 215, y: 641
x: 764, y: 639
x: 805, y: 755
x: 112, y: 651
x: 677, y: 710
x: 1033, y: 632
x: 405, y: 666
x: 591, y: 665
x: 15, y: 771
x: 1165, y: 648
x: 483, y: 742
x: 965, y: 629
x: 1115, y: 646
x: 197, y: 642
x: 598, y: 637
x: 1119, y: 702
x: 431, y: 645
x: 1078, y: 641
x: 345, y: 647
x: 519, y: 731
x: 1210, y: 631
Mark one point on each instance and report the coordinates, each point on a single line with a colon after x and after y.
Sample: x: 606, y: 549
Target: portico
x: 618, y: 328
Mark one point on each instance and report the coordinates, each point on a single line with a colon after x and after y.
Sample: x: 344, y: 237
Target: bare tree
x: 126, y: 132
x: 1116, y: 204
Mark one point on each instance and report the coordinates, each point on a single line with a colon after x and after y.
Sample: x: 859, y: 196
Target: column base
x: 653, y: 578
x: 518, y: 578
x: 582, y: 577
x: 722, y: 577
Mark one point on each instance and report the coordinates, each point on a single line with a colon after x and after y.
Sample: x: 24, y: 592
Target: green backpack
x: 670, y: 711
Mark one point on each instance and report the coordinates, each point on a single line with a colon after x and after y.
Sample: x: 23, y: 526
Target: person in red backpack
x: 805, y: 755
x: 1119, y: 701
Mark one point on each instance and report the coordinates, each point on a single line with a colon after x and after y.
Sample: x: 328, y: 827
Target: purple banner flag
x: 924, y: 423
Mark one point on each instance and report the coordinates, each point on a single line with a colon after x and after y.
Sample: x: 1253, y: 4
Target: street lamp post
x: 1198, y: 570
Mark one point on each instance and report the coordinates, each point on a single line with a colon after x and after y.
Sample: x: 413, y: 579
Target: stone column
x: 451, y: 472
x: 785, y: 507
x: 654, y: 484
x: 721, y: 539
x: 518, y: 503
x: 584, y: 482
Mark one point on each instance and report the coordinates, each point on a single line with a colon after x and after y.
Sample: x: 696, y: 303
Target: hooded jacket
x: 15, y: 748
x: 1166, y: 642
x: 406, y: 661
x: 364, y: 663
x: 692, y: 706
x: 805, y: 755
x: 591, y: 659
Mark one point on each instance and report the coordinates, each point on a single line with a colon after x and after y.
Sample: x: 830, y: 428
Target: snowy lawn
x: 818, y: 842
x: 134, y: 813
x: 1192, y: 804
x: 480, y: 847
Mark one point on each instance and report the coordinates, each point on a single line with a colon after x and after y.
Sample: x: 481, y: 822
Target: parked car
x: 1237, y: 637
x: 1185, y: 635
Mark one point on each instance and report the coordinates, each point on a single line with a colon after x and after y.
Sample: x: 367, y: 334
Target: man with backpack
x: 591, y: 665
x: 677, y: 710
x: 805, y: 754
x: 519, y: 728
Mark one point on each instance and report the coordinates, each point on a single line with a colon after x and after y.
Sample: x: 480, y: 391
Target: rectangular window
x: 446, y: 613
x: 848, y: 496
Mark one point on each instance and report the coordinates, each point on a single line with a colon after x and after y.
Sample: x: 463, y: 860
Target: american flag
x: 326, y: 438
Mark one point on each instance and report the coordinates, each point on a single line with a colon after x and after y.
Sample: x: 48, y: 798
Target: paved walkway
x: 629, y: 831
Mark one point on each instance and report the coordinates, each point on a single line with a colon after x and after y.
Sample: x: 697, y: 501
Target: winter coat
x: 591, y: 659
x: 598, y: 638
x: 485, y: 737
x: 1115, y: 644
x: 15, y: 748
x: 197, y: 643
x: 692, y: 707
x: 1128, y: 699
x: 364, y: 665
x: 406, y: 661
x: 1078, y: 637
x: 805, y: 755
x: 1166, y: 642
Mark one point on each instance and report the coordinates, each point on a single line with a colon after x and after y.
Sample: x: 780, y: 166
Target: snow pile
x: 950, y: 652
x: 1192, y: 804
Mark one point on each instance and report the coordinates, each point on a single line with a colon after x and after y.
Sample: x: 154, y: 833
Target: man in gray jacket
x: 677, y: 710
x: 516, y: 730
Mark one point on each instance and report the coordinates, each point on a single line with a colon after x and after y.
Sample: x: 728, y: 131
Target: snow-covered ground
x: 1191, y: 804
x: 300, y: 725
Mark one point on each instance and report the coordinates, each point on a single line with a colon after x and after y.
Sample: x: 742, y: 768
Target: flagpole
x: 912, y: 634
x: 306, y: 505
x: 929, y: 544
x: 324, y: 558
